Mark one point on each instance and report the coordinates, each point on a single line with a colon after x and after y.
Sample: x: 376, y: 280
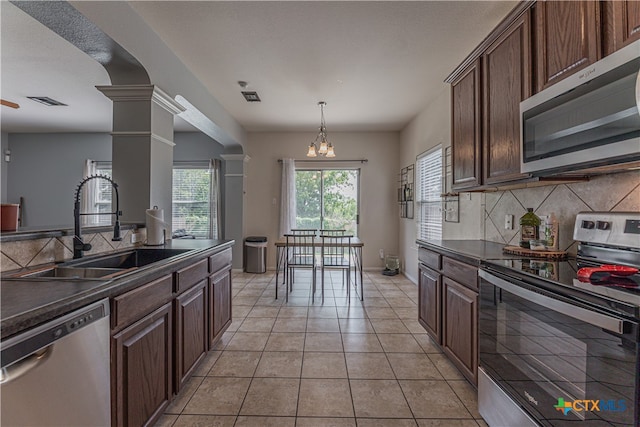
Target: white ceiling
x: 376, y: 64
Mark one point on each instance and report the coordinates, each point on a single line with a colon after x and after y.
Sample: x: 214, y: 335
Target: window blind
x: 429, y: 189
x: 192, y: 198
x: 103, y: 195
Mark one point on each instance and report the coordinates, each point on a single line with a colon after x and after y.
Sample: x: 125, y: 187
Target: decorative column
x: 234, y: 177
x: 142, y: 148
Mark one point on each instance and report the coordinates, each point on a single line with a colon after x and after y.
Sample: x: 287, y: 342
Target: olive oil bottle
x: 529, y: 227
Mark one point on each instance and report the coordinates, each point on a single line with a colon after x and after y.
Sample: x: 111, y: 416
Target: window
x: 327, y: 199
x: 192, y: 199
x: 429, y: 189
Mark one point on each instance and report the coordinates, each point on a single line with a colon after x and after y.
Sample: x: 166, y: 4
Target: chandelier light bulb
x: 330, y: 152
x: 312, y: 150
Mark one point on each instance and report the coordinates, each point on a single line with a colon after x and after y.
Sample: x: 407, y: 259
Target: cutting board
x: 517, y: 250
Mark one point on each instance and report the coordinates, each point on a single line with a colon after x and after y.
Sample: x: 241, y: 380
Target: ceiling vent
x: 251, y: 96
x: 49, y: 102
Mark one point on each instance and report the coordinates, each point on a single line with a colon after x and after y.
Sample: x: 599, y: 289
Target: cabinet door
x: 191, y: 331
x: 621, y: 24
x: 466, y: 137
x: 506, y: 81
x: 219, y: 304
x: 567, y: 39
x: 429, y: 292
x: 460, y: 327
x: 141, y: 369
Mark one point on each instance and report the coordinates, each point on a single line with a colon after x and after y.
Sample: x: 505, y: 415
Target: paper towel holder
x: 155, y: 218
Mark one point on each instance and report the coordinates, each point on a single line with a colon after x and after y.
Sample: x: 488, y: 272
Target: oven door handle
x: 600, y: 320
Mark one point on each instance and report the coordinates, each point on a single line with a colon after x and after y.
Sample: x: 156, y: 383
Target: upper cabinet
x: 535, y: 46
x: 567, y: 39
x: 465, y: 132
x: 621, y: 23
x: 506, y: 82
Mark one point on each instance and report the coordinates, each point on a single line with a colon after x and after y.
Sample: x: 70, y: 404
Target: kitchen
x: 617, y: 192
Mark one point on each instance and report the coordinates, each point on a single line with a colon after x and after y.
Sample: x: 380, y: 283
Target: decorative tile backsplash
x: 616, y: 192
x: 26, y: 253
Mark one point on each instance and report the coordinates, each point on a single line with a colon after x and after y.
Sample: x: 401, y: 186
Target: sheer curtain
x: 215, y: 223
x: 89, y: 192
x: 288, y: 197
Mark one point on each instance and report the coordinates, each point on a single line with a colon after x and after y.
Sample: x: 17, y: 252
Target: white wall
x: 378, y: 210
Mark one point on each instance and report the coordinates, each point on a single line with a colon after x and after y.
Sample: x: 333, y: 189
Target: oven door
x: 561, y: 361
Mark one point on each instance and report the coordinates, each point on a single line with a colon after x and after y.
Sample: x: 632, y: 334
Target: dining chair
x: 300, y: 252
x: 313, y: 231
x: 335, y: 254
x: 324, y: 232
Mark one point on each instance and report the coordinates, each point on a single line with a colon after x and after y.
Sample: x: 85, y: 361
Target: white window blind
x: 192, y: 198
x: 103, y: 195
x: 429, y: 189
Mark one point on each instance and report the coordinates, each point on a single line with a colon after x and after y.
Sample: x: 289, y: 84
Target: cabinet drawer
x: 189, y: 276
x: 461, y: 272
x: 219, y: 261
x: 133, y: 305
x: 429, y: 258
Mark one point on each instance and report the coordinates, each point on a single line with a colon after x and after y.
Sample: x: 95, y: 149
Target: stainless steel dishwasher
x: 57, y: 374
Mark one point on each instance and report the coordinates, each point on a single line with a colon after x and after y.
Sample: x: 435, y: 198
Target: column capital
x: 142, y: 92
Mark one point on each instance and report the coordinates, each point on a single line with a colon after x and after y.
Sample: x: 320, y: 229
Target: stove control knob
x: 589, y: 225
x: 603, y: 225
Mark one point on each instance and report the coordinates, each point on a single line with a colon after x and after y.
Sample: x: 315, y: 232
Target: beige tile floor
x: 364, y: 363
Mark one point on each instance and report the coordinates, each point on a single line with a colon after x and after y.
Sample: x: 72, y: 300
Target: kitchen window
x: 429, y: 190
x: 195, y: 197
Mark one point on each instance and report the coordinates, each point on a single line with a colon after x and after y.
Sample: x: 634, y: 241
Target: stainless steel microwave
x: 589, y: 119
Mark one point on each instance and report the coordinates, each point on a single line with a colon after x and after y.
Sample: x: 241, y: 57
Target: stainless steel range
x: 559, y: 340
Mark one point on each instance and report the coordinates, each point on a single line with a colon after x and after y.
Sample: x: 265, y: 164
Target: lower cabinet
x: 220, y: 304
x: 142, y: 369
x: 160, y: 331
x: 191, y: 331
x: 460, y: 326
x: 448, y: 308
x: 429, y: 291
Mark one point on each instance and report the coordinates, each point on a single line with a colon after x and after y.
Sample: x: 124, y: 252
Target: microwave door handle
x: 600, y: 320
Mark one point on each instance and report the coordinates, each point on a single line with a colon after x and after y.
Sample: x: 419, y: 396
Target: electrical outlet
x: 381, y: 253
x: 508, y: 222
x: 135, y: 237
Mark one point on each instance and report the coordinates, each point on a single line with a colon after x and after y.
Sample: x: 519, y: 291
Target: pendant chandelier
x: 325, y: 148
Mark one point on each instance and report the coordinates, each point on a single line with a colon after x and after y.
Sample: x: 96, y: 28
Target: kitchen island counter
x: 26, y: 302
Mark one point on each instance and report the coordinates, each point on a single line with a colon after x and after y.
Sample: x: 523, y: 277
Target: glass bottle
x: 529, y: 226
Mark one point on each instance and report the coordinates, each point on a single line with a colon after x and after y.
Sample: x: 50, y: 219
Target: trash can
x: 255, y: 254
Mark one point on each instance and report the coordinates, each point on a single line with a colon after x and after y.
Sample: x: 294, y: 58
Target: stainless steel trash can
x: 255, y: 254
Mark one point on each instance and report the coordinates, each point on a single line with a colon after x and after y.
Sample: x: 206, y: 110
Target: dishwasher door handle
x: 21, y: 367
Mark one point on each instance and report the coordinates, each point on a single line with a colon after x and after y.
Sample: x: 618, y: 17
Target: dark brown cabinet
x: 429, y: 291
x: 161, y: 330
x: 506, y: 82
x: 448, y: 307
x: 466, y: 131
x: 621, y: 24
x: 460, y: 327
x: 142, y: 369
x: 567, y: 39
x: 191, y: 331
x: 220, y: 304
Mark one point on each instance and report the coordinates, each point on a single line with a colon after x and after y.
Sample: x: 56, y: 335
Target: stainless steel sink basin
x: 100, y: 267
x: 128, y: 259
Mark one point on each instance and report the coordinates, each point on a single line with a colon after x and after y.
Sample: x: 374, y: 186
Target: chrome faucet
x: 78, y: 245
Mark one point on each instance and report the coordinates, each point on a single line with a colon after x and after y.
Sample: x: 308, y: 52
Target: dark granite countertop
x: 469, y: 251
x: 25, y: 303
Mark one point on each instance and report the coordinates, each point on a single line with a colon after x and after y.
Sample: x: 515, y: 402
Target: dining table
x: 355, y: 245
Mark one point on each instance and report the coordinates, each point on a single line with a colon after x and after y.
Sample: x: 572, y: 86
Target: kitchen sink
x: 129, y: 259
x: 100, y: 267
